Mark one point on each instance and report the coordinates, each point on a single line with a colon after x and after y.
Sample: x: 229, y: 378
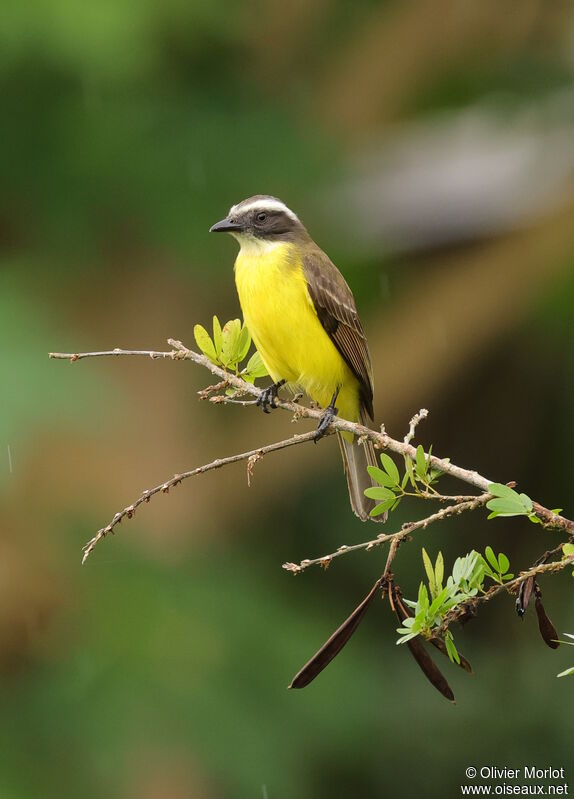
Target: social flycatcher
x: 302, y: 317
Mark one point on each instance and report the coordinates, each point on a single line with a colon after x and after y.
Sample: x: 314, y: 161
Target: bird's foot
x: 328, y: 415
x: 268, y: 396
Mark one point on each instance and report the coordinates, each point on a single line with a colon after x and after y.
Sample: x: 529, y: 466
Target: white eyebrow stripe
x: 264, y: 205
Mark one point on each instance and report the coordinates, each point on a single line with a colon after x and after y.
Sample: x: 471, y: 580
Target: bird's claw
x: 328, y: 415
x: 268, y: 396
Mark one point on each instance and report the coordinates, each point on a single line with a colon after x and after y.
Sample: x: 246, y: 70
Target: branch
x: 381, y: 440
x: 406, y: 530
x: 251, y: 457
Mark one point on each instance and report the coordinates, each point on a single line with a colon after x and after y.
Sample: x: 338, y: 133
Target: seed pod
x: 335, y: 643
x: 429, y: 668
x: 418, y: 651
x: 547, y: 629
x: 524, y: 594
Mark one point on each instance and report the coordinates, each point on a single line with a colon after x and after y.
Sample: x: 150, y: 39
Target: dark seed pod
x: 429, y: 668
x: 547, y: 629
x: 336, y: 642
x: 524, y: 594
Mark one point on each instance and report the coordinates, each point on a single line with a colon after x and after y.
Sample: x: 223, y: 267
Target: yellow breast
x: 284, y: 325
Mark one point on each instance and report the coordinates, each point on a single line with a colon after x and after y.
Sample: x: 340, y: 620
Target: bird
x: 303, y: 320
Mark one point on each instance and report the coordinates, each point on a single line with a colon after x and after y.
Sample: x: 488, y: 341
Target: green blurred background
x: 429, y: 147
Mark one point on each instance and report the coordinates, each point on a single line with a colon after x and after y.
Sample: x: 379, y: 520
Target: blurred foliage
x: 30, y: 396
x: 159, y: 670
x: 122, y: 120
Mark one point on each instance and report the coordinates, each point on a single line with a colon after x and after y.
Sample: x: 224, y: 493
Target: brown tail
x: 356, y: 458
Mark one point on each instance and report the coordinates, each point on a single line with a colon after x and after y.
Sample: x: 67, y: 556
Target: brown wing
x: 337, y: 312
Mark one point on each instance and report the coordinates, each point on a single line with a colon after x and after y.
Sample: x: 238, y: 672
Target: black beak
x: 225, y: 226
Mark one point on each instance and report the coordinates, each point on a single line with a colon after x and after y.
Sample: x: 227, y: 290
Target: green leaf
x: 381, y: 477
x: 217, y: 338
x: 379, y: 492
x: 421, y: 462
x: 566, y: 673
x: 440, y: 599
x: 487, y: 571
x: 434, y: 475
x: 439, y: 571
x: 430, y: 572
x: 503, y: 563
x: 526, y: 501
x: 507, y: 502
x: 500, y: 490
x: 410, y: 470
x: 456, y: 572
x: 255, y: 366
x: 421, y: 613
x: 390, y: 468
x: 491, y: 558
x: 468, y: 570
x: 507, y: 507
x: 475, y: 566
x: 230, y: 340
x: 423, y: 598
x: 381, y: 508
x: 204, y: 342
x: 244, y: 343
x: 568, y: 549
x: 451, y: 649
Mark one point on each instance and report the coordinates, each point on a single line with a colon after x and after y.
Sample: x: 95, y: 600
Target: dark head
x: 263, y: 219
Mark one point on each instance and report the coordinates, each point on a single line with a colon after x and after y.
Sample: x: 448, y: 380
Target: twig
x: 250, y: 457
x: 406, y: 530
x: 418, y: 417
x: 178, y: 353
x: 395, y: 544
x: 208, y: 390
x: 78, y: 356
x: 436, y: 497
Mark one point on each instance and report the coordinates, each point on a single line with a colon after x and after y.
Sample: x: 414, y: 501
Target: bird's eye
x: 261, y: 217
